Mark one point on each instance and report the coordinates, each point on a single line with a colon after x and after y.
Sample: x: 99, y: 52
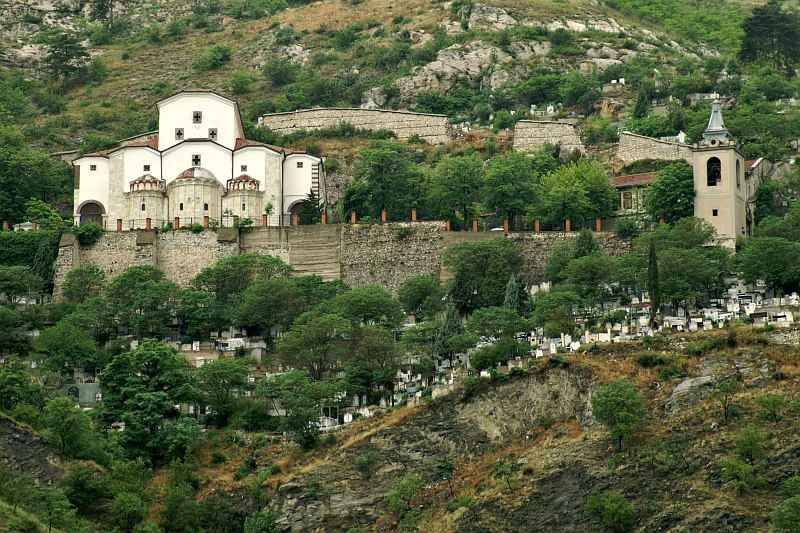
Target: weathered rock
x: 690, y: 392
x: 490, y: 18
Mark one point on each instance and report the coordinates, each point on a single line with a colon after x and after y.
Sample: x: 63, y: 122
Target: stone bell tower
x: 719, y: 182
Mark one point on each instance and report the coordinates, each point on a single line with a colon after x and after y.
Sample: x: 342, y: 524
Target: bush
x: 791, y: 487
x: 365, y: 462
x: 612, y: 510
x: 195, y: 227
x: 279, y: 71
x: 240, y: 82
x: 89, y: 233
x: 218, y: 55
x: 626, y: 228
x: 772, y: 405
x: 786, y: 516
x: 742, y: 474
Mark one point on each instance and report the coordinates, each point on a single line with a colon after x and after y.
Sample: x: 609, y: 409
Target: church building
x: 197, y: 168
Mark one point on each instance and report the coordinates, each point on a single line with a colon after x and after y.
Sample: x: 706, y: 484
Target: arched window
x: 205, y: 207
x: 180, y: 206
x: 242, y: 207
x: 738, y: 175
x: 143, y: 207
x: 713, y: 172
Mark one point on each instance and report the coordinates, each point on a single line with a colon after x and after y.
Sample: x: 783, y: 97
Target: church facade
x: 197, y: 168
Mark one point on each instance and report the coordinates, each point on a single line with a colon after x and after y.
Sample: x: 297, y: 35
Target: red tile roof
x: 749, y: 164
x: 244, y: 143
x: 152, y: 142
x: 634, y: 180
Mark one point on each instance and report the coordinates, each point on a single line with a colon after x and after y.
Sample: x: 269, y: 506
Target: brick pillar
x: 176, y: 224
x: 295, y: 219
x: 414, y: 215
x: 119, y: 224
x: 324, y: 218
x: 506, y: 225
x: 568, y: 225
x: 265, y: 220
x: 384, y: 216
x: 206, y: 222
x: 34, y: 225
x: 598, y: 224
x: 5, y: 225
x: 148, y: 224
x: 537, y: 225
x: 447, y: 226
x: 353, y: 218
x: 475, y: 226
x: 661, y: 221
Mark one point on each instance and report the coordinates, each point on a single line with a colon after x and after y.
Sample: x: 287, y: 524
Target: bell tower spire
x: 716, y: 127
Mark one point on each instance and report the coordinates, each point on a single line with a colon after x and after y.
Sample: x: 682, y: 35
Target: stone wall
x: 633, y: 147
x: 382, y: 254
x: 530, y: 135
x: 432, y: 128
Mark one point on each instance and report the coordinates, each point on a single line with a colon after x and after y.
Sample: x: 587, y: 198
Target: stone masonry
x: 531, y: 135
x: 633, y: 147
x: 363, y: 254
x: 404, y: 124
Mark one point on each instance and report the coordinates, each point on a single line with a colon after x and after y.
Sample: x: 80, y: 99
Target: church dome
x: 196, y: 173
x: 146, y: 182
x: 243, y: 182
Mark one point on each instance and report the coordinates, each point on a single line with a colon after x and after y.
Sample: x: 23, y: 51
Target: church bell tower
x: 719, y: 182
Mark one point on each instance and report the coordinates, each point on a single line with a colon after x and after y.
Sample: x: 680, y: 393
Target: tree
x: 578, y: 191
x: 64, y: 347
x: 269, y: 303
x: 480, y: 272
x: 103, y: 10
x: 222, y: 382
x: 455, y: 184
x: 318, y: 346
x: 17, y: 387
x: 642, y: 107
x: 17, y: 281
x: 786, y: 516
x: 68, y: 428
x: 774, y: 260
x: 86, y: 486
x: 612, y: 510
x: 66, y: 56
x: 653, y: 286
x: 511, y: 299
x: 671, y: 196
x: 511, y: 183
x: 369, y: 304
x: 420, y: 296
x: 232, y: 276
x: 127, y: 511
x: 200, y: 313
x: 374, y: 361
x: 620, y: 407
x: 772, y: 405
x: 13, y: 336
x: 591, y: 276
x: 495, y: 322
x: 554, y: 310
x: 724, y: 392
x: 83, y: 282
x: 771, y: 34
x: 143, y: 300
x: 41, y: 213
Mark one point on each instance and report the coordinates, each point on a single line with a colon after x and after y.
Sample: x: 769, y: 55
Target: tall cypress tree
x: 652, y: 281
x: 511, y: 299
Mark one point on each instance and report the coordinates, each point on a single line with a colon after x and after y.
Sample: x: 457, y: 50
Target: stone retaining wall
x: 434, y: 129
x: 633, y: 147
x: 531, y: 135
x: 381, y: 254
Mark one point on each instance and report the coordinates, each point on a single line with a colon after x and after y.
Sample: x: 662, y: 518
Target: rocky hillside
x: 525, y: 453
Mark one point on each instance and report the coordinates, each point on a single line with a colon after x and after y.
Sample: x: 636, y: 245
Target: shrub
x: 742, y: 474
x: 89, y: 233
x: 218, y: 55
x: 365, y: 462
x: 240, y: 82
x: 98, y: 71
x: 772, y: 405
x: 195, y: 227
x: 651, y: 359
x: 786, y: 516
x: 279, y: 71
x: 791, y: 486
x: 750, y: 444
x: 626, y: 228
x: 612, y: 510
x: 620, y: 407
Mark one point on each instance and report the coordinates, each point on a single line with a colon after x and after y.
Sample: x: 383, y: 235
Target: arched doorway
x: 91, y: 211
x: 307, y: 212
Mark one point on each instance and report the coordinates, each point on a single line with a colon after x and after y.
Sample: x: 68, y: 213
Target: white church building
x: 197, y: 168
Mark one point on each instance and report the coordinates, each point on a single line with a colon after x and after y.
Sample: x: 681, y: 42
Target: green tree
x: 511, y: 299
x: 318, y: 346
x: 83, y: 282
x: 64, y: 347
x: 480, y: 272
x: 642, y: 107
x: 126, y: 511
x: 262, y: 522
x: 86, y: 486
x: 231, y: 277
x: 772, y: 405
x: 455, y: 184
x: 578, y: 191
x: 554, y: 310
x: 68, y: 428
x: 374, y: 362
x: 591, y: 276
x: 511, y: 182
x: 143, y: 300
x: 269, y: 303
x: 17, y: 386
x: 200, y: 313
x: 772, y: 259
x: 420, y: 296
x: 17, y: 281
x: 40, y: 212
x: 653, y: 286
x: 369, y: 304
x: 771, y: 35
x: 13, y: 334
x: 495, y: 322
x: 786, y: 516
x: 612, y: 510
x: 620, y: 407
x: 66, y: 56
x: 724, y: 392
x: 222, y: 382
x: 671, y: 196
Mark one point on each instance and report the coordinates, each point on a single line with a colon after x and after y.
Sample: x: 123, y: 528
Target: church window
x: 713, y: 172
x: 714, y: 212
x: 244, y: 168
x: 242, y: 207
x: 143, y: 207
x: 196, y: 160
x: 299, y: 164
x: 180, y: 206
x: 738, y: 174
x: 92, y: 167
x: 147, y: 168
x: 197, y: 117
x: 178, y: 134
x: 205, y: 207
x: 212, y: 134
x: 627, y: 200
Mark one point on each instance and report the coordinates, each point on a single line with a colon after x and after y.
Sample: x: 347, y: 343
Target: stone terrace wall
x: 633, y: 147
x: 530, y: 135
x: 433, y: 128
x: 381, y: 254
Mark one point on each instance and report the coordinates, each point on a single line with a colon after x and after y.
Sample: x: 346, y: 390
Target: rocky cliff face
x: 25, y: 452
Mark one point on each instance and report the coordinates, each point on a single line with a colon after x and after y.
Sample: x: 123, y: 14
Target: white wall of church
x: 722, y: 205
x: 259, y: 162
x: 134, y: 161
x: 217, y: 112
x: 213, y: 157
x: 93, y: 184
x: 297, y: 181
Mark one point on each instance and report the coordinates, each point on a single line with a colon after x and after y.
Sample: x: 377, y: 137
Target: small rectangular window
x: 178, y: 134
x: 92, y: 167
x: 196, y: 160
x: 143, y: 207
x: 714, y: 212
x: 299, y: 164
x: 197, y: 117
x: 627, y: 200
x: 212, y: 134
x: 147, y: 168
x: 243, y: 168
